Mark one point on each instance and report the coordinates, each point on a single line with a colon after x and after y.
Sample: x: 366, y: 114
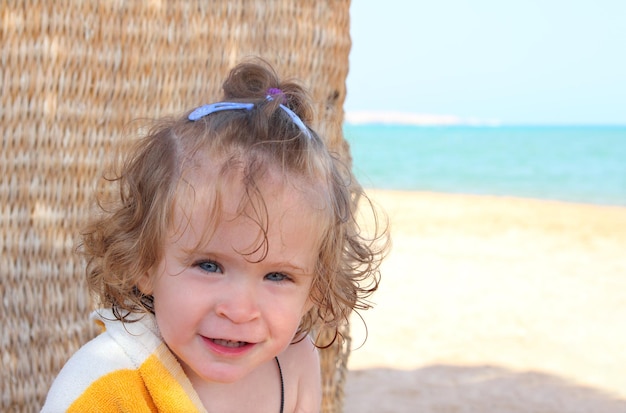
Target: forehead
x: 275, y: 202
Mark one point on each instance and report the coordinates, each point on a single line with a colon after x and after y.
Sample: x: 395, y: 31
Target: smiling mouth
x: 229, y: 343
x: 228, y: 348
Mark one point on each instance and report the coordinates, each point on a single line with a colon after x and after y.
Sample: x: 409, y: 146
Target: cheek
x: 175, y: 316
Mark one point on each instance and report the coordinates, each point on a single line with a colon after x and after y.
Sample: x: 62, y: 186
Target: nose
x: 239, y: 303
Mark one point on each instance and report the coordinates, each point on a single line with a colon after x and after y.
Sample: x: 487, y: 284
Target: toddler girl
x: 231, y: 240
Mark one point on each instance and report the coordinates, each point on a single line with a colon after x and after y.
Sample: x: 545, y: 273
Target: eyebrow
x: 292, y: 267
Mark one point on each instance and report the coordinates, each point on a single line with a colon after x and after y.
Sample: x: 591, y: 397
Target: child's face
x: 223, y: 313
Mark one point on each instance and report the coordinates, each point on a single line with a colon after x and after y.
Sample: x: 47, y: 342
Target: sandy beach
x: 493, y: 304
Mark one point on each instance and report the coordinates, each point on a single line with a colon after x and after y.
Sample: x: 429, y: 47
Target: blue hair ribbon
x: 206, y: 110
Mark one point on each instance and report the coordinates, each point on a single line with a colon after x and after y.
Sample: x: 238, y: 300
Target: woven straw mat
x: 73, y: 74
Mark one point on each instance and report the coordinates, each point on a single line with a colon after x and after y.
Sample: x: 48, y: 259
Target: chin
x: 224, y: 374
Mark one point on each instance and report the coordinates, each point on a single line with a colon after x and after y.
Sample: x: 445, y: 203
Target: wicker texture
x: 72, y: 76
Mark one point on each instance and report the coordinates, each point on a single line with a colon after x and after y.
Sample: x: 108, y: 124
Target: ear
x: 307, y: 306
x: 144, y: 284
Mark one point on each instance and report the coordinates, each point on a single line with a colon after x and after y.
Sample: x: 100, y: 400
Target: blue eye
x: 276, y: 277
x: 209, y: 266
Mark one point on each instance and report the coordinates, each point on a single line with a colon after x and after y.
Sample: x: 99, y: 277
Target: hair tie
x: 274, y: 91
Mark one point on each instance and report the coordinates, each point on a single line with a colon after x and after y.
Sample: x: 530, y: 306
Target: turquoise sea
x: 584, y: 164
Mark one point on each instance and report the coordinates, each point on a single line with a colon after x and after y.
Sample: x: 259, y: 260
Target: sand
x: 494, y: 304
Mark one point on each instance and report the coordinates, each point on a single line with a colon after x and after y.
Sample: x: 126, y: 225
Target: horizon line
x: 365, y: 117
x: 408, y: 118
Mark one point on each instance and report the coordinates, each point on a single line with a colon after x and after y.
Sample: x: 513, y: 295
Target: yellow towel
x: 127, y: 368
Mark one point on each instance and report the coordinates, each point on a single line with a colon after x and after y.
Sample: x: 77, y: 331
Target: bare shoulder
x: 302, y: 376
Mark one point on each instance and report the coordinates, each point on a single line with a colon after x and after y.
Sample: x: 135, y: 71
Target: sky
x: 504, y: 61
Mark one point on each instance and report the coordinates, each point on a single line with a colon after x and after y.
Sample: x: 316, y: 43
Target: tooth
x: 229, y: 343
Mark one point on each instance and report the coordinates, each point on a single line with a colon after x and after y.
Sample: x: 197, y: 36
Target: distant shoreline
x: 515, y: 199
x: 416, y: 119
x: 374, y: 118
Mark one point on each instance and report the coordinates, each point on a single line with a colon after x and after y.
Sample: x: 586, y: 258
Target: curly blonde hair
x: 126, y: 239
